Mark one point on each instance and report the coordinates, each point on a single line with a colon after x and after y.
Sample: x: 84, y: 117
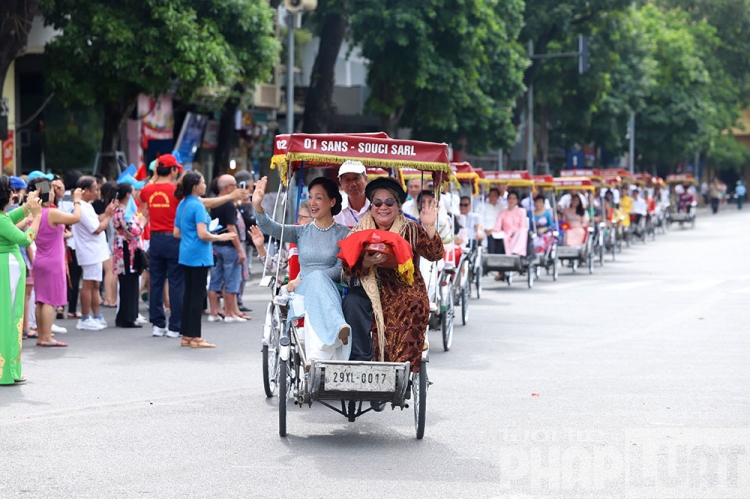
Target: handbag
x: 141, y: 261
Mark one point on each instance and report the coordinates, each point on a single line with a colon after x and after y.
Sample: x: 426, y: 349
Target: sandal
x: 201, y: 343
x: 77, y: 315
x: 59, y: 315
x: 53, y: 343
x: 32, y: 333
x: 186, y: 342
x: 20, y: 381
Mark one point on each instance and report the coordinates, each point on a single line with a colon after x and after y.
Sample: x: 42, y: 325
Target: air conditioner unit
x: 267, y: 95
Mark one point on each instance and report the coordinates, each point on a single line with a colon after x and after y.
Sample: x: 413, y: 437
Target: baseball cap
x: 17, y: 183
x: 352, y: 166
x: 168, y: 160
x: 37, y: 174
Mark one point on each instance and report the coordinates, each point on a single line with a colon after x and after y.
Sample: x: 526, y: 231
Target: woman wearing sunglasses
x: 378, y: 301
x: 326, y: 331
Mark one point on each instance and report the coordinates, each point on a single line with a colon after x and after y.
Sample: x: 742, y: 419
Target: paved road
x: 632, y: 382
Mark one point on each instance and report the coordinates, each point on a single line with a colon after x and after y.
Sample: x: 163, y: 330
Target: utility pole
x: 290, y: 72
x: 584, y: 64
x: 530, y: 119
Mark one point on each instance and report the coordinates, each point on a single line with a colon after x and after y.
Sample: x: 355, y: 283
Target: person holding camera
x: 50, y: 283
x: 230, y: 257
x: 13, y: 279
x: 92, y: 251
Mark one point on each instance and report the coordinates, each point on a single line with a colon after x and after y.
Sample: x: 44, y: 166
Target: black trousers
x: 128, y: 310
x: 358, y: 314
x: 715, y: 205
x: 76, y: 272
x: 192, y: 303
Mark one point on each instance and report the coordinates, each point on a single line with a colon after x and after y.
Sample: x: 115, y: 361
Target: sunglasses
x: 377, y: 203
x: 464, y: 204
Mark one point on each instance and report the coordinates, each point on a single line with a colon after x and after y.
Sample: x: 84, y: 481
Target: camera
x: 43, y: 187
x: 242, y: 185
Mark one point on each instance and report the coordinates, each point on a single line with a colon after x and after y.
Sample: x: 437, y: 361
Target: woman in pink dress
x: 514, y: 223
x: 50, y: 283
x: 578, y: 220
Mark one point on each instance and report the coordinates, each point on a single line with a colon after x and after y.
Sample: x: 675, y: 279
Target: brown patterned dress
x: 406, y: 309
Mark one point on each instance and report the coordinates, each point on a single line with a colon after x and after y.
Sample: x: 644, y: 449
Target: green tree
x: 449, y: 69
x: 109, y: 53
x: 680, y: 116
x: 16, y: 18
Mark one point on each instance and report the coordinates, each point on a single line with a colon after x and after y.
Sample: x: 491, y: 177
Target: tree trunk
x: 16, y: 17
x: 318, y: 103
x: 115, y: 114
x: 543, y: 134
x: 226, y: 130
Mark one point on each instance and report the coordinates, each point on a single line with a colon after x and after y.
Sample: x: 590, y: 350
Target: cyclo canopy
x: 463, y: 171
x: 518, y: 178
x: 574, y: 183
x: 680, y: 178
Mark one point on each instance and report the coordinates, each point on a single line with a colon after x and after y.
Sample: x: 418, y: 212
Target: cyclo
x: 346, y: 382
x: 442, y: 278
x: 510, y: 264
x: 601, y: 231
x: 470, y: 265
x: 681, y: 211
x: 545, y: 185
x: 584, y: 254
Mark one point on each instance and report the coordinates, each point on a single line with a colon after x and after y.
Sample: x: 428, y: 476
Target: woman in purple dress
x: 50, y: 284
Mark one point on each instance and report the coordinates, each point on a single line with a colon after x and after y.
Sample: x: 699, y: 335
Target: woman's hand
x: 34, y: 206
x: 257, y: 236
x: 259, y: 193
x: 293, y: 284
x: 428, y: 215
x: 77, y: 195
x: 372, y: 259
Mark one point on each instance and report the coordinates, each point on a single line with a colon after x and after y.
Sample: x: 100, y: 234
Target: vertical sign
x: 9, y: 167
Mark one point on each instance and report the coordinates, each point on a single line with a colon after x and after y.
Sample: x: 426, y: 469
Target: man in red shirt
x: 165, y: 248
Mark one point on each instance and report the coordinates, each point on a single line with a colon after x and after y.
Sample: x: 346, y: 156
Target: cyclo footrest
x: 359, y: 380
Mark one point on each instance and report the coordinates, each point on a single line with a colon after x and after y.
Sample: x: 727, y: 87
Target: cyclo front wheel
x: 446, y: 320
x: 419, y: 389
x: 283, y: 384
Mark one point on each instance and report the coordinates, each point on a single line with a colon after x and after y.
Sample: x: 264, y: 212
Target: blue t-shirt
x: 194, y: 252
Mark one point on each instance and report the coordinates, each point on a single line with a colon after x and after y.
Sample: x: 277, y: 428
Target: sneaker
x: 141, y: 320
x: 58, y: 329
x: 158, y: 331
x: 172, y: 334
x: 234, y: 319
x: 214, y: 318
x: 89, y: 324
x: 100, y: 320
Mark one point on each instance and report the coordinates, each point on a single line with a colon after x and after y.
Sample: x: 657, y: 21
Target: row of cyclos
x: 617, y: 209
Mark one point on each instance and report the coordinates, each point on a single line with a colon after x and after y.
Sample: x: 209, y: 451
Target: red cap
x: 168, y: 160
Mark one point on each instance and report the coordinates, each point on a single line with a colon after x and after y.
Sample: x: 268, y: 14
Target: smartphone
x: 242, y: 185
x: 43, y: 187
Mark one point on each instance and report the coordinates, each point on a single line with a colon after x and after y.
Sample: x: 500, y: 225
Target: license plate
x: 360, y: 378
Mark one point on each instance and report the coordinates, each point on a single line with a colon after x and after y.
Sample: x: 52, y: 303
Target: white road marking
x: 698, y: 285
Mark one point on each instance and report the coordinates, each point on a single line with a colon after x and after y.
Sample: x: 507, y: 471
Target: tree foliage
x: 16, y: 18
x: 110, y: 52
x: 449, y: 69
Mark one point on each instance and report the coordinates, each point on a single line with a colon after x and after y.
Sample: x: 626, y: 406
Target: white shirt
x: 489, y: 213
x: 348, y: 215
x: 90, y: 248
x: 640, y: 207
x: 469, y: 224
